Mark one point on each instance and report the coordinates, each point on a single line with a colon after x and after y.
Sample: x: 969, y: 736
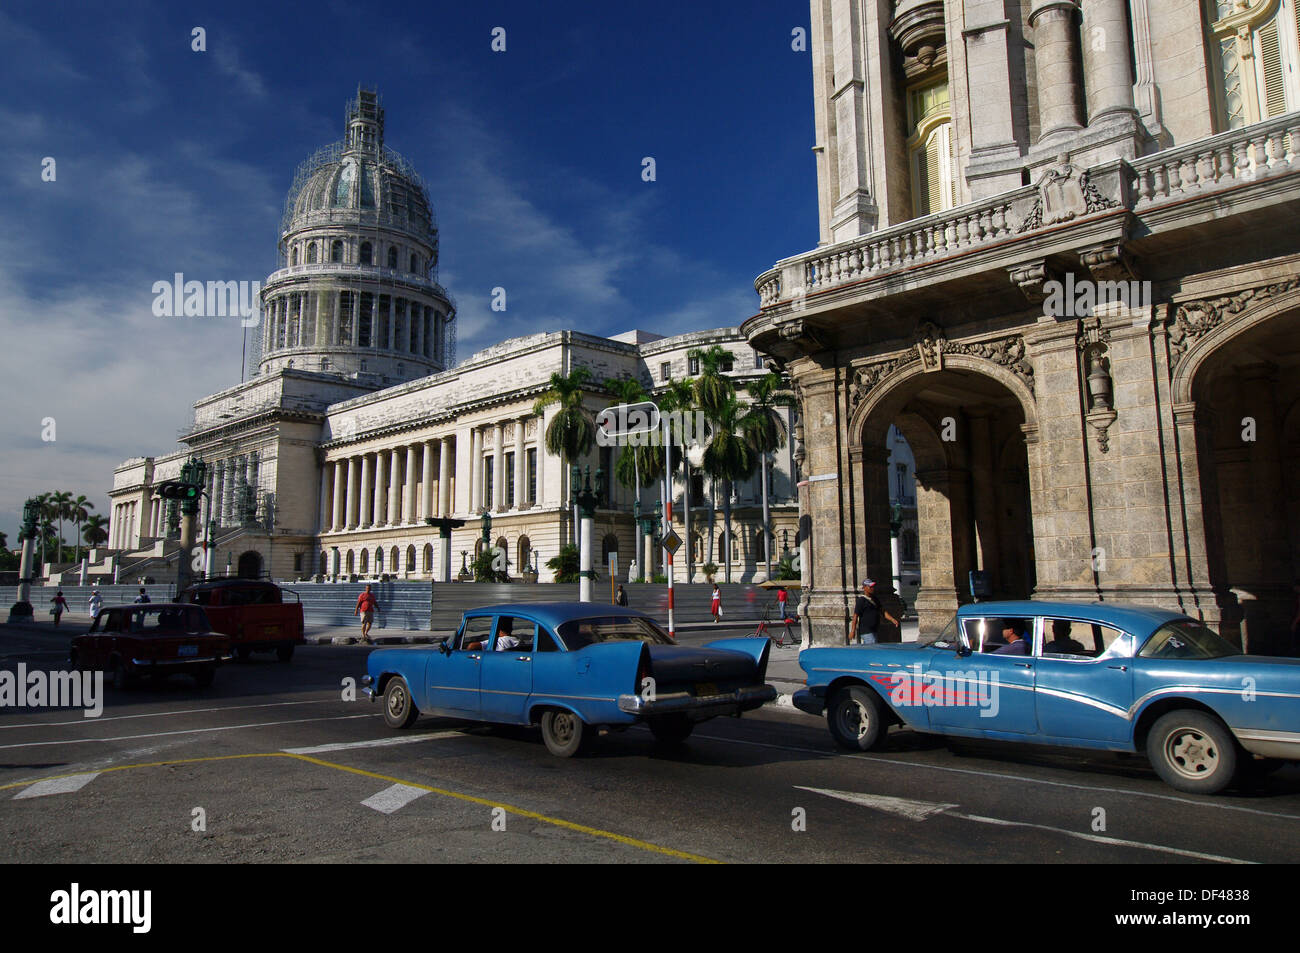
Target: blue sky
x: 174, y: 160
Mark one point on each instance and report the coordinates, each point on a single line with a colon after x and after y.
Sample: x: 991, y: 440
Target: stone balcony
x: 1096, y: 219
x: 375, y: 273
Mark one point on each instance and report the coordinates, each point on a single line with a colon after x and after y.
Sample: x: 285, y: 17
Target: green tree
x: 484, y: 567
x: 95, y: 532
x: 637, y: 466
x: 43, y: 500
x: 679, y: 398
x: 763, y: 426
x: 728, y: 457
x: 711, y: 388
x: 565, y: 566
x: 61, y: 509
x: 572, y: 430
x: 78, y: 511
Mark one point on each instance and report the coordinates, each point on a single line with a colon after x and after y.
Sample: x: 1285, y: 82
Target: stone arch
x: 351, y: 562
x: 525, y: 552
x: 394, y: 560
x: 250, y: 564
x: 365, y: 561
x: 427, y: 562
x: 1248, y: 319
x: 410, y: 558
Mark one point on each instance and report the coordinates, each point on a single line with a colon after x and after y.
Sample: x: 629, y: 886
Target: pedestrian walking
x: 716, y: 607
x: 367, y: 606
x: 866, y: 615
x: 95, y: 603
x: 781, y: 597
x: 143, y: 597
x: 58, y: 607
x: 621, y: 597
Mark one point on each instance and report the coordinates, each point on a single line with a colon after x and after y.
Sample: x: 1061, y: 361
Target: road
x: 272, y: 764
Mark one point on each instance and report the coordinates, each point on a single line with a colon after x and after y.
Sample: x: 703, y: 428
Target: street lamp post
x: 21, y: 610
x: 585, y: 500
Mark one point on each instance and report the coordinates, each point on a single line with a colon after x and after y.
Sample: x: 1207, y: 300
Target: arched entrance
x: 965, y: 425
x: 1244, y: 386
x: 250, y: 565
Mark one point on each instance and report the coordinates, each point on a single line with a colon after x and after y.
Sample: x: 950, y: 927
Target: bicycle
x: 781, y: 627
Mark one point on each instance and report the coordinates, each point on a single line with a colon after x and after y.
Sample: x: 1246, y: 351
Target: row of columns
x: 390, y: 487
x: 299, y: 319
x: 225, y: 478
x: 1106, y: 52
x: 478, y: 496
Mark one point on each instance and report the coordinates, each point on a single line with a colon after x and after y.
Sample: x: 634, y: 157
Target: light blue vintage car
x: 570, y: 667
x: 1086, y: 675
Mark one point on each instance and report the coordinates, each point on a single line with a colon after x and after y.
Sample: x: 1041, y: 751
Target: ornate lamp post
x: 21, y: 610
x: 586, y: 500
x: 193, y: 474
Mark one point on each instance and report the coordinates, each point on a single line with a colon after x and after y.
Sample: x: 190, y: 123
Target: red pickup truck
x: 252, y: 612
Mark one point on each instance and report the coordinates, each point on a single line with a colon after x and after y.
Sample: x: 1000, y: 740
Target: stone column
x: 982, y: 484
x: 354, y: 497
x: 521, y: 471
x: 1106, y: 51
x: 336, y: 524
x: 426, y: 479
x: 323, y: 521
x: 412, y: 485
x: 475, y: 451
x: 219, y: 491
x: 377, y: 502
x: 367, y: 493
x: 498, y: 468
x: 232, y: 478
x: 444, y: 477
x: 1054, y: 55
x: 394, y: 485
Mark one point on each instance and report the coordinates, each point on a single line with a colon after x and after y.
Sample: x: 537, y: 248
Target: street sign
x: 613, y: 565
x: 672, y: 542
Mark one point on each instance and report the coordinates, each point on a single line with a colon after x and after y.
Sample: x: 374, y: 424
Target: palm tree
x: 712, y: 391
x: 729, y: 457
x: 95, y: 531
x: 60, y: 505
x: 79, y: 511
x: 44, y: 501
x: 637, y: 465
x: 679, y: 397
x: 572, y: 431
x: 765, y: 430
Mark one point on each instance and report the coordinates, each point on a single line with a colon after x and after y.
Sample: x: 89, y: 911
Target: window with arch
x: 525, y: 553
x: 293, y: 256
x: 410, y: 559
x: 1256, y: 53
x: 929, y: 144
x: 312, y: 253
x: 392, y: 257
x: 367, y: 254
x: 608, y: 545
x: 415, y: 265
x: 351, y: 562
x: 336, y: 250
x: 428, y: 558
x: 394, y: 553
x: 365, y: 562
x: 324, y: 563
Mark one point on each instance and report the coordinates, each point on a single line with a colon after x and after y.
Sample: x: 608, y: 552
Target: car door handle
x: 1121, y: 668
x: 1023, y: 665
x: 523, y: 658
x: 476, y: 657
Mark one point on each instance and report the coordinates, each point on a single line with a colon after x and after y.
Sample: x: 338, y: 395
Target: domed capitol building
x: 360, y: 425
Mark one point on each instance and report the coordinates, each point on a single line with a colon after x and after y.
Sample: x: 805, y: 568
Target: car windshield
x: 1187, y: 639
x: 578, y: 633
x: 947, y: 639
x: 168, y: 619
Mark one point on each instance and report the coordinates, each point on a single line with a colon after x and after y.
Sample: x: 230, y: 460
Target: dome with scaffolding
x: 357, y: 290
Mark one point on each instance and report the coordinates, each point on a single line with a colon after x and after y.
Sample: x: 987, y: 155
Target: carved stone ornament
x: 802, y: 335
x: 1031, y: 278
x: 1064, y: 193
x: 1194, y: 319
x: 929, y: 343
x: 1008, y: 352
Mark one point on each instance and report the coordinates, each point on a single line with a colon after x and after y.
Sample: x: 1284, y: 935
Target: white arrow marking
x: 912, y: 810
x: 393, y: 798
x: 74, y: 782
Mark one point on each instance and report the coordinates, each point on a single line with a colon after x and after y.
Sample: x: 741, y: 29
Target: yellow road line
x: 522, y: 812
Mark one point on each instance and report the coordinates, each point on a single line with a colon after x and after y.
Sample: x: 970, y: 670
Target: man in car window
x: 1061, y: 643
x: 505, y: 637
x: 1013, y: 633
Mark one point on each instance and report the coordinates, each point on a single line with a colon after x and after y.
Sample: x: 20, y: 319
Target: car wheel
x: 563, y: 732
x: 671, y: 729
x: 855, y: 719
x: 243, y: 652
x: 284, y: 652
x: 1192, y: 752
x: 399, y: 709
x: 204, y: 677
x: 123, y: 676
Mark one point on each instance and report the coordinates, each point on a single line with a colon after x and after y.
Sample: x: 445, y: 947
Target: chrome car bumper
x: 813, y: 701
x: 366, y: 682
x: 742, y: 699
x: 178, y: 662
x: 1270, y: 744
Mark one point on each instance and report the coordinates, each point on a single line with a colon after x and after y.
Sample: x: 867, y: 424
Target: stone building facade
x: 359, y: 426
x: 1057, y: 253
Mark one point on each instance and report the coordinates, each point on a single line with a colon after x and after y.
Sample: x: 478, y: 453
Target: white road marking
x: 374, y: 743
x: 904, y: 807
x: 188, y: 731
x: 393, y: 798
x: 1018, y: 779
x: 1113, y: 841
x: 66, y: 785
x: 167, y: 714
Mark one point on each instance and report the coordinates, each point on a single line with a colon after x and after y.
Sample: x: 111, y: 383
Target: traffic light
x: 175, y: 490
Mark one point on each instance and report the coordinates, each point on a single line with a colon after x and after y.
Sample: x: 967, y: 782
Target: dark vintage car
x: 572, y: 668
x: 154, y: 640
x: 252, y: 612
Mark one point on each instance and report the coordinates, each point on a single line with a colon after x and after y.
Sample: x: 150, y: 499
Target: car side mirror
x: 963, y: 650
x: 443, y: 647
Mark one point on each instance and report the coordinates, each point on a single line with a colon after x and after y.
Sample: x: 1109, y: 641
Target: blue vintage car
x: 572, y: 667
x: 1082, y: 675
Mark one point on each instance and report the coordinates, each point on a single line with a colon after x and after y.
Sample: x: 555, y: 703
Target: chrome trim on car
x: 1084, y: 700
x: 1271, y: 744
x: 685, y: 701
x: 207, y: 659
x: 1176, y: 689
